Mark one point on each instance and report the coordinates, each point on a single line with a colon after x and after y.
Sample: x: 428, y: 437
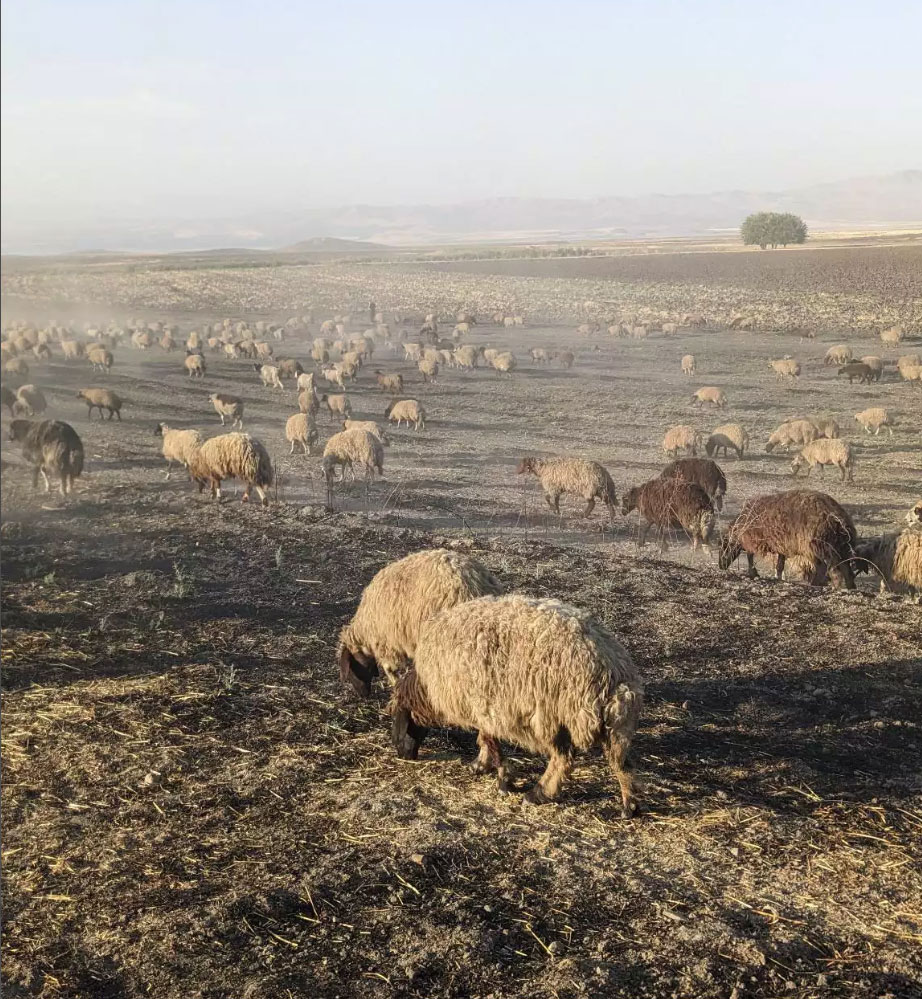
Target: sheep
x: 876, y: 366
x: 803, y: 524
x: 301, y: 430
x: 306, y: 383
x: 351, y: 359
x: 702, y: 472
x: 912, y: 373
x: 534, y: 672
x: 142, y: 340
x: 334, y: 377
x: 873, y: 419
x: 670, y: 328
x: 17, y: 366
x: 7, y: 398
x: 488, y: 354
x: 429, y: 369
x: 41, y: 352
x: 320, y: 355
x: 672, y: 504
x: 289, y: 368
x: 539, y: 355
x: 856, y: 369
x: 413, y: 352
x: 579, y: 476
x: 228, y: 406
x: 50, y: 446
x: 892, y: 336
x: 389, y: 383
x: 710, y: 394
x: 504, y: 363
x: 406, y: 409
x: 195, y: 365
x: 914, y: 516
x: 30, y: 401
x: 839, y: 354
x: 908, y: 361
x: 825, y: 452
x: 586, y: 329
x: 337, y: 405
x: 680, y: 438
x: 72, y: 349
x: 508, y: 322
x: 786, y: 367
x: 727, y: 435
x: 100, y: 398
x: 194, y: 342
x: 350, y: 448
x: 826, y: 426
x: 167, y: 343
x: 263, y: 349
x: 640, y: 332
x: 465, y: 357
x: 269, y: 374
x: 898, y: 558
x: 462, y: 329
x: 308, y: 402
x: 689, y: 366
x: 798, y: 432
x: 401, y: 597
x: 566, y: 358
x: 232, y: 456
x: 178, y: 445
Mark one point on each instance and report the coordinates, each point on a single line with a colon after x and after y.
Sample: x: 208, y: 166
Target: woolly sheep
x: 670, y: 328
x: 908, y: 361
x: 409, y: 410
x: 537, y: 673
x: 289, y: 368
x: 305, y: 382
x: 672, y: 504
x: 466, y: 357
x: 50, y: 447
x: 41, y: 352
x: 873, y: 419
x: 371, y: 427
x: 232, y: 456
x: 412, y: 352
x: 825, y: 452
x: 338, y: 405
x: 489, y: 353
x: 17, y: 366
x: 308, y: 402
x: 912, y: 373
x: 195, y: 365
x: 797, y: 432
x: 228, y: 407
x: 856, y: 369
x: 350, y: 448
x: 800, y: 523
x: 701, y: 472
x: 30, y: 401
x: 710, y: 394
x: 688, y: 364
x: 839, y: 354
x: 826, y: 426
x: 786, y: 367
x: 429, y: 369
x: 727, y: 435
x: 100, y: 398
x: 876, y: 366
x: 539, y: 355
x: 401, y: 597
x: 914, y: 516
x: 680, y: 438
x: 898, y: 558
x: 178, y: 445
x: 566, y: 358
x: 72, y: 349
x: 269, y: 374
x: 301, y: 430
x: 579, y: 476
x: 504, y: 363
x: 892, y: 336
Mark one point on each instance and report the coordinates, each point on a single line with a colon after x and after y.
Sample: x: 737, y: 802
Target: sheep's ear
x: 357, y: 670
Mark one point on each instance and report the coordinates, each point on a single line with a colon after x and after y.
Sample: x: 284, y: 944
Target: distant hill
x: 332, y: 244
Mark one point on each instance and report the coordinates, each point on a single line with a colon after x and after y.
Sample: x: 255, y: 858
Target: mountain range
x: 865, y: 202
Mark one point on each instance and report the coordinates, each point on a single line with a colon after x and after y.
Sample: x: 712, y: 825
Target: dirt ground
x: 192, y: 806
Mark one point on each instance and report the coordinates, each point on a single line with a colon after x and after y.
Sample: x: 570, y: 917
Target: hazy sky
x: 171, y: 109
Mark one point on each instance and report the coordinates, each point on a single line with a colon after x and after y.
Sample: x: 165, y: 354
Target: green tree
x: 773, y: 229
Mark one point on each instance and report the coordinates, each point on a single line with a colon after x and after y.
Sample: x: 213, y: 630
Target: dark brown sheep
x: 672, y: 504
x: 702, y: 472
x: 289, y: 368
x: 50, y: 446
x: 856, y: 369
x: 801, y: 524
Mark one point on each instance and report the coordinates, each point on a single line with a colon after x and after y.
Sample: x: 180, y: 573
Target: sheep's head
x: 710, y: 447
x: 406, y: 734
x: 769, y: 447
x: 729, y: 552
x: 19, y: 429
x: 526, y: 465
x: 160, y: 429
x: 915, y: 514
x: 357, y: 669
x: 798, y: 463
x: 629, y: 500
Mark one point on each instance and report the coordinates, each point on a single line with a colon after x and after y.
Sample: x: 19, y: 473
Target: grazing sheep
x: 7, y: 398
x: 876, y: 365
x: 710, y: 394
x: 826, y: 426
x: 539, y: 355
x: 302, y: 431
x: 702, y: 472
x: 680, y: 438
x: 195, y: 365
x: 840, y: 354
x: 912, y: 373
x: 908, y: 361
x: 873, y: 419
x: 289, y: 368
x: 178, y: 445
x: 672, y: 504
x: 142, y: 340
x: 429, y: 369
x: 466, y: 357
x: 232, y: 456
x: 228, y: 407
x: 389, y: 383
x: 462, y: 329
x: 30, y: 401
x: 579, y: 476
x: 537, y: 673
x: 263, y: 349
x: 269, y: 374
x: 796, y: 432
x: 898, y: 558
x: 371, y: 427
x: 856, y: 369
x: 825, y: 452
x: 337, y: 405
x: 50, y: 447
x: 401, y: 597
x: 504, y: 363
x: 800, y: 524
x: 688, y: 364
x: 786, y: 367
x: 101, y: 399
x: 727, y: 435
x: 350, y: 448
x: 892, y: 336
x: 566, y: 358
x: 406, y: 409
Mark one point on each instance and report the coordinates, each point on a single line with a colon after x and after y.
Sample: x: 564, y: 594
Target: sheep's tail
x: 66, y: 459
x: 621, y: 710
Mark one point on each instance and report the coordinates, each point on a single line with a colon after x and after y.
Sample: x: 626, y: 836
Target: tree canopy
x: 773, y: 229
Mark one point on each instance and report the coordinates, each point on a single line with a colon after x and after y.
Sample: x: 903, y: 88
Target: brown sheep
x: 579, y: 476
x: 800, y: 524
x: 856, y: 369
x: 672, y: 504
x: 50, y: 446
x: 100, y: 398
x: 823, y: 452
x: 710, y: 394
x: 702, y: 472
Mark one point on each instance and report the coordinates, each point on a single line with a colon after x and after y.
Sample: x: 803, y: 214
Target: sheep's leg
x: 616, y: 748
x: 642, y: 536
x: 35, y: 474
x: 779, y: 567
x: 558, y: 769
x: 590, y: 506
x: 47, y: 482
x: 663, y: 543
x: 292, y: 451
x: 751, y: 572
x: 64, y: 484
x: 489, y: 759
x: 263, y: 498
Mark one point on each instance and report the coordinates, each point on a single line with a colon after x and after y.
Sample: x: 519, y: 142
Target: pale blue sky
x: 172, y: 109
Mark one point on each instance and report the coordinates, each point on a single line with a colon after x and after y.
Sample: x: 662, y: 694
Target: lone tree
x: 773, y: 229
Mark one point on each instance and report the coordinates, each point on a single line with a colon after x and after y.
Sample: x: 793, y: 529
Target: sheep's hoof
x: 630, y: 809
x: 479, y: 768
x: 537, y: 796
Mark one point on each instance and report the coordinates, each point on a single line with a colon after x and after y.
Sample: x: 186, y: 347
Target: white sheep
x: 350, y: 448
x: 178, y: 445
x: 823, y: 452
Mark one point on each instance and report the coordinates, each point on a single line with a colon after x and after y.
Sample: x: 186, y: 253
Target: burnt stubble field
x: 192, y: 806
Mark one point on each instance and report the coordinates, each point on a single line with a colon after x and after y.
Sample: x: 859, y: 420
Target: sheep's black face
x: 357, y: 670
x: 729, y: 553
x: 406, y: 735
